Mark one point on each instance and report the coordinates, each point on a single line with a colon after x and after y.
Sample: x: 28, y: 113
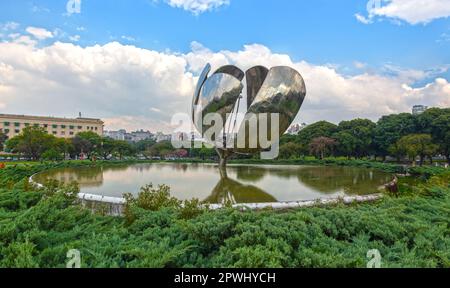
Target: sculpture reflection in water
x: 229, y: 191
x: 279, y: 91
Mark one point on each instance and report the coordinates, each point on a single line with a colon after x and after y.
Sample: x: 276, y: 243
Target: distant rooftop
x: 51, y: 118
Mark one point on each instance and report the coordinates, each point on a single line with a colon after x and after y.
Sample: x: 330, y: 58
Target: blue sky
x: 392, y: 40
x: 320, y: 31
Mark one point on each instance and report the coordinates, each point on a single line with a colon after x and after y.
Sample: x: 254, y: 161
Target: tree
x: 180, y: 153
x: 107, y: 146
x: 52, y: 155
x: 3, y: 139
x: 123, y: 148
x: 390, y: 129
x: 63, y: 146
x: 436, y: 122
x: 319, y: 129
x: 356, y: 136
x: 82, y: 146
x: 144, y: 145
x: 32, y: 142
x: 321, y: 146
x: 347, y: 143
x: 418, y: 145
x: 441, y: 134
x: 397, y: 150
x: 160, y: 149
x: 291, y: 150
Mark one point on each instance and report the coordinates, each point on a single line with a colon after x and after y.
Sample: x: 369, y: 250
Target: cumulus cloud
x: 39, y: 33
x: 132, y: 88
x: 8, y: 26
x: 198, y: 6
x: 411, y: 11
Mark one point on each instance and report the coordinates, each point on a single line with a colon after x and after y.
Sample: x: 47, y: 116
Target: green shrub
x: 39, y: 226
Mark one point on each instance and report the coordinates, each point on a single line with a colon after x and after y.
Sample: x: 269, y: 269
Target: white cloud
x: 198, y: 6
x: 75, y: 38
x: 411, y: 11
x: 444, y: 37
x: 39, y: 9
x: 359, y: 65
x: 128, y: 38
x: 39, y: 33
x: 8, y: 26
x: 363, y: 19
x: 128, y: 86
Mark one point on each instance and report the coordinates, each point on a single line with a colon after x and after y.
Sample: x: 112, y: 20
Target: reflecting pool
x: 244, y: 184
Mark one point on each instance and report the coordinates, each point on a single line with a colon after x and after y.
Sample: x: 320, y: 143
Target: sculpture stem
x: 223, y: 155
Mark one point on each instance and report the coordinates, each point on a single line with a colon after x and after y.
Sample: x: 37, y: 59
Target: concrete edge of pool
x: 116, y: 205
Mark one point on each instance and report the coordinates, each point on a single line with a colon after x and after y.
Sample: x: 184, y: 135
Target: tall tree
x: 88, y: 143
x: 144, y: 145
x: 319, y: 129
x: 291, y: 150
x: 107, y: 146
x: 321, y: 146
x: 418, y: 145
x: 356, y: 135
x: 436, y: 121
x: 390, y: 129
x: 346, y: 143
x: 3, y: 139
x: 123, y: 148
x: 32, y: 142
x: 160, y: 149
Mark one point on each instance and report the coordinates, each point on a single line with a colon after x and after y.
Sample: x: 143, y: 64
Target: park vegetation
x: 399, y: 135
x: 35, y: 143
x: 38, y: 226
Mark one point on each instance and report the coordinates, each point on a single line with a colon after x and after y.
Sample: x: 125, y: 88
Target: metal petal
x: 218, y: 95
x: 282, y: 92
x: 255, y: 78
x: 201, y: 81
x: 231, y: 70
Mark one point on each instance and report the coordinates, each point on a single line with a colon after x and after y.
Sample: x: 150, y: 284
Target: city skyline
x: 356, y: 63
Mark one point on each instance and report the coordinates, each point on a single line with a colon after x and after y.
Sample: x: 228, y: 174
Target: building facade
x: 160, y: 137
x: 116, y: 135
x: 419, y: 109
x: 12, y: 125
x: 135, y: 136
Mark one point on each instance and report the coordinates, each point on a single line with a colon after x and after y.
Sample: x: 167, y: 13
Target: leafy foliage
x: 39, y: 226
x: 396, y: 135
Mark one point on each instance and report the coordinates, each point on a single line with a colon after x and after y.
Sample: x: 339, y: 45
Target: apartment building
x: 12, y: 125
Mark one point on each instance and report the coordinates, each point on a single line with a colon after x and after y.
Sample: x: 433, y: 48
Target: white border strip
x: 252, y: 206
x: 302, y: 204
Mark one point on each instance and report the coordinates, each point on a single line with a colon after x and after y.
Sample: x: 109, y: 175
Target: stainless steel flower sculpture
x: 280, y: 90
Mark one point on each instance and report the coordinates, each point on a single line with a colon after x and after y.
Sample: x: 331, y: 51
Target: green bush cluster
x: 39, y: 226
x: 390, y: 168
x: 155, y: 199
